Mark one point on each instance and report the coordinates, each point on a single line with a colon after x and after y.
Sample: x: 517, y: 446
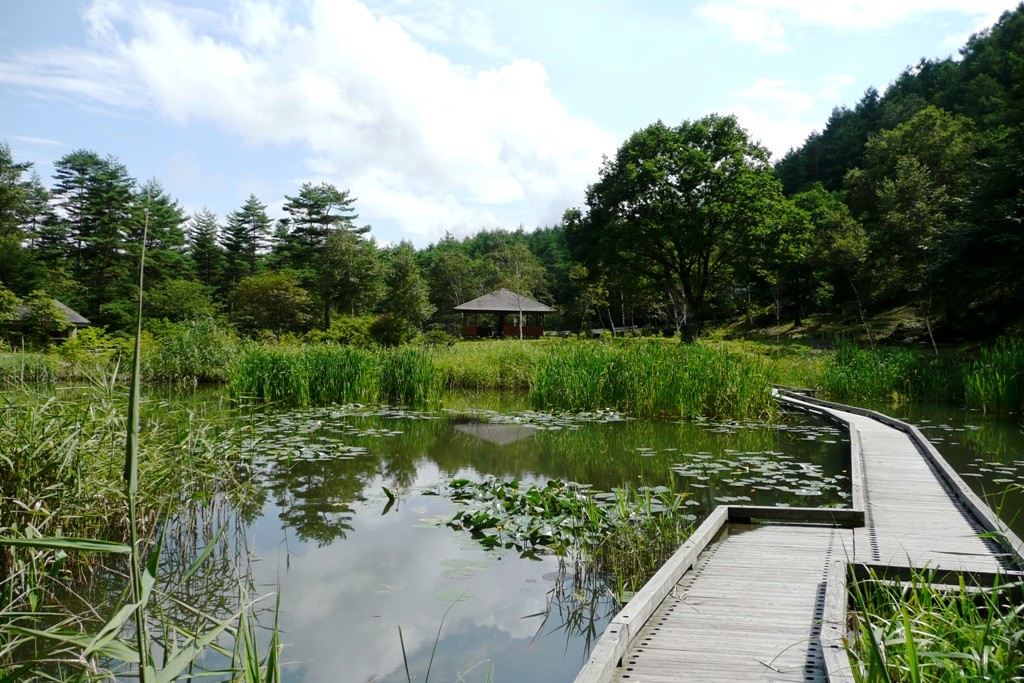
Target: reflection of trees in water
x: 316, y: 495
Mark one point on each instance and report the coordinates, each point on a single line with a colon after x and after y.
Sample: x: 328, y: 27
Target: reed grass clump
x: 329, y: 374
x: 994, y: 380
x: 407, y: 376
x: 920, y: 632
x: 22, y: 367
x: 896, y: 375
x: 506, y: 364
x: 654, y: 378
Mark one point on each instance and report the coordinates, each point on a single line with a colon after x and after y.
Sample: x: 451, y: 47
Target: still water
x: 352, y: 570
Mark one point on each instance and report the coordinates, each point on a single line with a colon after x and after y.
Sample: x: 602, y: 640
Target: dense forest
x: 914, y: 197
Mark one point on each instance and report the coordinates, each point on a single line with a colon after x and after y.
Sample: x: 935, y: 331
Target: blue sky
x: 437, y: 114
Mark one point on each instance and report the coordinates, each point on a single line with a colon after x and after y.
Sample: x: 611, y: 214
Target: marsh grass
x: 329, y: 374
x: 995, y: 380
x: 654, y: 378
x: 919, y: 632
x: 895, y: 375
x: 61, y: 476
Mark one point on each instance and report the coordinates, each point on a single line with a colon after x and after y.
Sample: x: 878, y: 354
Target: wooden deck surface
x: 749, y: 610
x: 910, y: 516
x: 751, y: 606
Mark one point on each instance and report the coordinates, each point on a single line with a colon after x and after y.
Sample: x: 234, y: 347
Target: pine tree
x: 245, y: 238
x: 166, y: 257
x: 207, y: 255
x: 316, y: 216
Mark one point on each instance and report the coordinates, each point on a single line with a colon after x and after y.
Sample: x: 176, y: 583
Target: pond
x: 353, y: 568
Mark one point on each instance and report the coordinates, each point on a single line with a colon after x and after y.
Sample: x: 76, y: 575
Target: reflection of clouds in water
x: 342, y: 604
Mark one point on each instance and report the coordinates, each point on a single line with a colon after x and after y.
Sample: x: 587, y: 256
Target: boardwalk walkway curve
x: 759, y: 593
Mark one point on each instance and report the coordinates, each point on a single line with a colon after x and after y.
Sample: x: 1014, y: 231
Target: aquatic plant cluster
x: 643, y: 378
x: 627, y: 533
x: 916, y: 632
x: 328, y: 374
x: 65, y: 519
x: 992, y: 381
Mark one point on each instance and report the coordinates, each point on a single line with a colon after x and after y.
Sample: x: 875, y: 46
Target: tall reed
x: 37, y: 636
x: 326, y: 374
x: 892, y: 374
x: 919, y: 632
x: 654, y: 379
x: 995, y: 379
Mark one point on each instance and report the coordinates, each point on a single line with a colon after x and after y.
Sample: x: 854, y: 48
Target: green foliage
x: 506, y: 364
x: 246, y: 235
x: 407, y: 377
x: 437, y: 338
x: 891, y: 374
x: 655, y: 378
x: 94, y: 345
x: 8, y: 304
x: 191, y: 351
x: 177, y: 300
x: 271, y: 301
x: 330, y: 374
x: 995, y: 379
x: 406, y: 296
x: 626, y: 533
x: 207, y: 255
x: 43, y: 319
x: 345, y: 329
x: 678, y: 205
x: 390, y: 330
x: 919, y: 632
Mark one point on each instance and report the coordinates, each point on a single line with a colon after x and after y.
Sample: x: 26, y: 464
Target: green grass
x: 654, y: 378
x: 896, y: 375
x: 995, y: 379
x: 918, y: 632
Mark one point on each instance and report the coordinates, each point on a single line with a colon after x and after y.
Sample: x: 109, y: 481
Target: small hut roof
x: 504, y: 301
x: 74, y: 317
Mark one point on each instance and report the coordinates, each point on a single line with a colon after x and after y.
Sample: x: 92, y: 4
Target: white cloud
x: 765, y: 21
x: 421, y: 141
x: 781, y: 114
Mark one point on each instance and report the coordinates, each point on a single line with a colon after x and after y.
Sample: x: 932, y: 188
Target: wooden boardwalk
x: 767, y: 602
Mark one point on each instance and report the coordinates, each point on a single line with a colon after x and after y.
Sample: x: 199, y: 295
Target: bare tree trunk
x: 928, y: 324
x: 860, y: 310
x: 611, y: 320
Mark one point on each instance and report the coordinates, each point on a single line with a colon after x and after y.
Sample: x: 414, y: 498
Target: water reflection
x: 351, y: 576
x: 986, y: 450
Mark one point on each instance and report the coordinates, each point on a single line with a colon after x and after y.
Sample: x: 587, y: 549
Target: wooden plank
x: 607, y: 655
x: 840, y: 516
x: 769, y: 602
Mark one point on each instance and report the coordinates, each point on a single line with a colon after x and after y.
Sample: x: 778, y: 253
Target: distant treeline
x: 911, y: 197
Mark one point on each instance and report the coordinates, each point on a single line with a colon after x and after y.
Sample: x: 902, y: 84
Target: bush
x: 436, y: 338
x: 349, y: 330
x: 389, y: 330
x: 193, y: 351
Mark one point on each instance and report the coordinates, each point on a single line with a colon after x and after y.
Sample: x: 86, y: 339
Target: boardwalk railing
x: 673, y: 626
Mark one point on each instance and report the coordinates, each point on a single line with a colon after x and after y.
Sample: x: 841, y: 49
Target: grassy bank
x: 646, y: 377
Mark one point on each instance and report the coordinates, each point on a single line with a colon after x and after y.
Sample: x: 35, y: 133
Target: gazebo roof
x: 504, y: 301
x: 74, y: 317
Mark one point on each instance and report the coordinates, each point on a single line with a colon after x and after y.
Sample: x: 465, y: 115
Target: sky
x: 437, y: 115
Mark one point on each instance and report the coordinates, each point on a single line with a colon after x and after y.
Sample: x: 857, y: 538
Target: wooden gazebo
x: 478, y: 314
